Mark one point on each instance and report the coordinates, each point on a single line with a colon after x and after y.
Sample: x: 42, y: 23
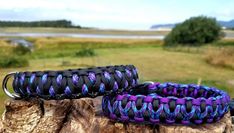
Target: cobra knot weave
x: 167, y: 103
x: 75, y: 83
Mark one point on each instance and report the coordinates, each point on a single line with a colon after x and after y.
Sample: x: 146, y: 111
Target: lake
x: 78, y: 35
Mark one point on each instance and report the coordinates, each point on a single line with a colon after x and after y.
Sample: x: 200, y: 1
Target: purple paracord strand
x: 168, y: 103
x: 71, y: 84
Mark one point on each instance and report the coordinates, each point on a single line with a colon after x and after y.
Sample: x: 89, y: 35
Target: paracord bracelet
x: 77, y: 83
x: 167, y: 103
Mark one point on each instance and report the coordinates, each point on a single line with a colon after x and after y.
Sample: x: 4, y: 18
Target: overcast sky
x: 115, y: 14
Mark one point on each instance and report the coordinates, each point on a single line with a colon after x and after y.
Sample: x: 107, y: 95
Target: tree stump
x: 84, y: 116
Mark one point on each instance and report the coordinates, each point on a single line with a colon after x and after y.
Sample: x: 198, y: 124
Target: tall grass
x: 186, y: 49
x: 85, y: 53
x: 227, y: 42
x: 223, y: 57
x: 92, y: 43
x: 13, y: 56
x: 13, y: 61
x: 68, y: 47
x: 21, y: 50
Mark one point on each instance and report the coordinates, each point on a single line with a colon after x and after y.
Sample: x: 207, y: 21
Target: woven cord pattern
x: 167, y: 103
x: 75, y: 83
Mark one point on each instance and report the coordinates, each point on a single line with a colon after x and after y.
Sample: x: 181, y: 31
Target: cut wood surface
x: 84, y: 116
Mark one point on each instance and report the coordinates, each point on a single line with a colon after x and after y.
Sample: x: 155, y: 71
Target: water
x: 229, y: 35
x: 78, y: 35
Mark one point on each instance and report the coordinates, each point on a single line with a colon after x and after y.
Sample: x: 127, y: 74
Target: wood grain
x: 84, y: 116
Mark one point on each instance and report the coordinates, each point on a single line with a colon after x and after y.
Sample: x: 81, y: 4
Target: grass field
x: 152, y: 60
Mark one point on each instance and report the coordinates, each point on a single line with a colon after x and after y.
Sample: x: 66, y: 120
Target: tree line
x: 50, y: 23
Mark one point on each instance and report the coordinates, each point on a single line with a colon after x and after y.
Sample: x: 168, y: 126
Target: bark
x: 84, y: 116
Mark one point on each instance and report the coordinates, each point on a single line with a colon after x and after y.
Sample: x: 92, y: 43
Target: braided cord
x: 75, y: 83
x: 167, y: 103
x: 124, y: 99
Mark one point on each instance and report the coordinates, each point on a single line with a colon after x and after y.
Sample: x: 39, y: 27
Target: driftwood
x: 83, y: 116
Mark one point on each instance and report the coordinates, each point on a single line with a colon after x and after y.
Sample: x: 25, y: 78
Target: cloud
x: 86, y: 13
x: 124, y: 14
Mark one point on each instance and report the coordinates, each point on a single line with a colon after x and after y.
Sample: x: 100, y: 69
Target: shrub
x: 13, y: 61
x: 85, y: 53
x: 194, y: 32
x: 21, y: 50
x: 225, y: 42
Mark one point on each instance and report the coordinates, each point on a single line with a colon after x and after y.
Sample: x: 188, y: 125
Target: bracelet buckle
x: 4, y: 86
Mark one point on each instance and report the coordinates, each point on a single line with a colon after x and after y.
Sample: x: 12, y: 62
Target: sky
x: 115, y: 14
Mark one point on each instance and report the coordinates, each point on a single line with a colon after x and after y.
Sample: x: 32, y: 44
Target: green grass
x: 153, y: 62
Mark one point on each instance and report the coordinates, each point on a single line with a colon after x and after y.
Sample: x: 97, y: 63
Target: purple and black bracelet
x: 73, y: 83
x: 167, y: 103
x: 123, y: 98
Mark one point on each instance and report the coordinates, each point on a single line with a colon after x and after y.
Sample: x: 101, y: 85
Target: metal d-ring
x: 148, y: 82
x: 4, y: 86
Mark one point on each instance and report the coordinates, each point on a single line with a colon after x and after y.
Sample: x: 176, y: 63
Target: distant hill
x: 157, y: 26
x: 50, y: 23
x: 227, y: 24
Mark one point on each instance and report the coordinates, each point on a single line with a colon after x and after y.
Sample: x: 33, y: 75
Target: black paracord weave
x: 75, y: 83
